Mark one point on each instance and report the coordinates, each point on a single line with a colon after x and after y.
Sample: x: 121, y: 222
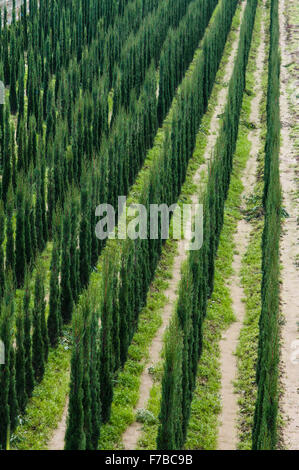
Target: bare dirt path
x: 132, y: 434
x: 57, y: 440
x: 289, y: 250
x: 228, y: 432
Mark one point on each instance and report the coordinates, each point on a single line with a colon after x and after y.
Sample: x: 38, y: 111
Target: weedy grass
x: 206, y: 403
x: 46, y: 406
x: 251, y: 274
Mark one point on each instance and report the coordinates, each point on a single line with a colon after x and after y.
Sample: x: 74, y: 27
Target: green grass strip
x: 45, y: 408
x: 251, y: 278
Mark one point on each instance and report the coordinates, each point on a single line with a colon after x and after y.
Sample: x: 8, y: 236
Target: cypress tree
x: 21, y: 141
x: 27, y: 231
x: 2, y: 235
x: 12, y: 399
x: 5, y: 335
x: 264, y: 433
x: 44, y: 329
x: 86, y: 385
x: 33, y: 237
x: 66, y: 292
x: 32, y: 143
x: 54, y: 306
x: 74, y: 253
x: 95, y: 382
x: 6, y: 173
x: 13, y: 159
x: 20, y: 362
x: 10, y: 249
x: 6, y: 61
x: 43, y: 194
x: 38, y: 347
x: 20, y: 257
x: 39, y: 212
x: 171, y: 406
x: 50, y: 192
x: 106, y: 388
x: 84, y: 239
x: 29, y: 373
x: 124, y: 313
x: 20, y: 98
x: 75, y: 436
x: 13, y: 88
x: 116, y: 327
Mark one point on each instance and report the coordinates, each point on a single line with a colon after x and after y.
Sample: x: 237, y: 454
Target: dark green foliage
x: 10, y: 245
x: 86, y: 385
x: 85, y: 405
x: 54, y: 320
x: 2, y: 236
x: 20, y: 362
x: 12, y: 394
x: 95, y: 382
x: 44, y: 329
x: 106, y: 358
x: 29, y: 373
x: 39, y: 347
x: 66, y: 292
x: 33, y: 238
x: 264, y: 435
x: 13, y: 77
x: 20, y: 255
x: 27, y: 231
x: 75, y: 436
x: 39, y: 211
x: 20, y: 97
x: 5, y: 335
x: 178, y: 51
x: 125, y: 313
x: 169, y: 435
x: 74, y: 252
x: 85, y: 261
x: 6, y: 156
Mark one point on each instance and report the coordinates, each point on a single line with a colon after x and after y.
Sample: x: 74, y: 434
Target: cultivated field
x: 149, y: 225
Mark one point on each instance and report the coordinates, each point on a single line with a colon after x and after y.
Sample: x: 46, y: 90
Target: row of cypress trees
x: 86, y: 137
x: 184, y: 340
x: 178, y: 51
x: 128, y: 267
x: 24, y: 332
x: 75, y: 250
x: 23, y: 231
x: 264, y: 436
x: 88, y: 125
x: 32, y: 153
x: 84, y: 417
